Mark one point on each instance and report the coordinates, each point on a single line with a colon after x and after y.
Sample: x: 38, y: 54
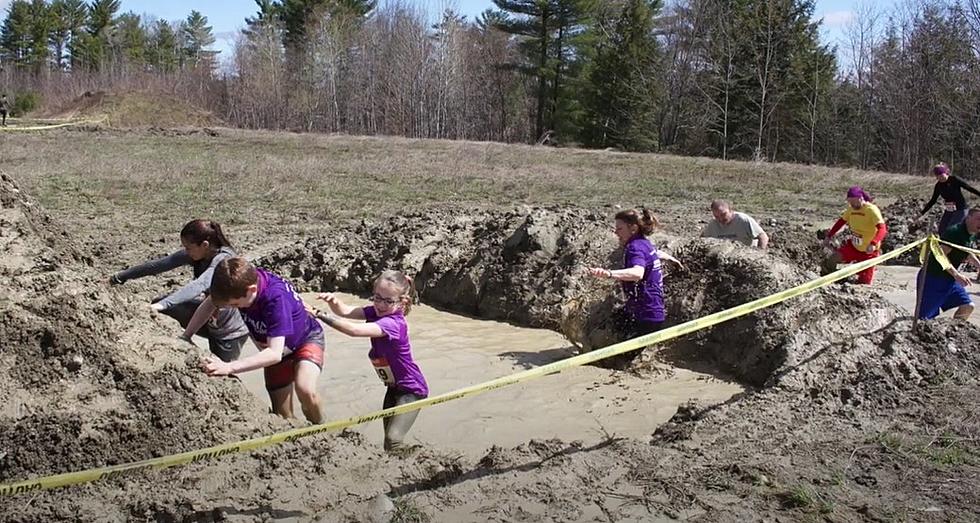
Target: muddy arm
x: 201, y: 316
x: 152, y: 267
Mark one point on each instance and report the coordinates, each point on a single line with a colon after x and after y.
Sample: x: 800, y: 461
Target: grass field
x: 276, y: 182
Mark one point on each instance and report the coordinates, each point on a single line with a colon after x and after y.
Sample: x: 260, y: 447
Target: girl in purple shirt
x: 391, y: 351
x: 641, y: 276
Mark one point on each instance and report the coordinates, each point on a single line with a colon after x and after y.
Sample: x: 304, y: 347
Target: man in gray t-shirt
x: 735, y: 226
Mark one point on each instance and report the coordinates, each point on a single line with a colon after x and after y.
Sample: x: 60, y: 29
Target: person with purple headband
x: 951, y: 190
x: 391, y: 351
x: 867, y: 228
x: 641, y: 276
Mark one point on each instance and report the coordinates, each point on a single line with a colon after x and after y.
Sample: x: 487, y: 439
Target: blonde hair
x: 404, y: 284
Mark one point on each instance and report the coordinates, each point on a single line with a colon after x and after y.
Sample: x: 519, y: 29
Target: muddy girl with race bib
x: 391, y: 350
x: 867, y: 230
x: 290, y: 341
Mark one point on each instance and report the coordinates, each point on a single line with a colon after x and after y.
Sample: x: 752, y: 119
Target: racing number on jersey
x: 384, y: 370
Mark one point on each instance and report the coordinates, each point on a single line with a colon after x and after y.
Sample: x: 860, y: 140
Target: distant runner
x: 867, y: 228
x: 950, y: 188
x: 4, y: 110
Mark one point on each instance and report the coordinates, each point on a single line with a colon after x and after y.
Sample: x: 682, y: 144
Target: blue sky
x: 228, y: 16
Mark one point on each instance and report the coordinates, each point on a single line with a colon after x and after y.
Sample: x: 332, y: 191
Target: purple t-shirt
x: 391, y: 354
x: 644, y: 298
x: 279, y: 311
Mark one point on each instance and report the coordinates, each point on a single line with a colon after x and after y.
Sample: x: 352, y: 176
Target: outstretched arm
x: 152, y: 267
x: 357, y: 330
x: 632, y: 274
x: 340, y: 308
x: 932, y: 201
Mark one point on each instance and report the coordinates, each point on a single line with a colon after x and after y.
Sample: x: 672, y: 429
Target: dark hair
x: 940, y: 168
x: 405, y: 285
x: 642, y: 218
x: 200, y: 231
x: 231, y: 279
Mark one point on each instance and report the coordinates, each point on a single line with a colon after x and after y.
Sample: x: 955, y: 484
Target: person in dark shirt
x: 945, y: 289
x: 4, y: 110
x: 951, y: 190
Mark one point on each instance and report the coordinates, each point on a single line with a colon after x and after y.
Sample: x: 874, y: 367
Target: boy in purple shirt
x: 641, y: 275
x: 289, y: 339
x: 391, y: 351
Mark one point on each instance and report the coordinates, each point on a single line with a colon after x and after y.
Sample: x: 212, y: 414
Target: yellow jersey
x: 863, y: 224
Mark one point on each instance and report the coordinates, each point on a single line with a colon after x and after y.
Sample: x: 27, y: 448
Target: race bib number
x: 856, y: 241
x: 383, y: 370
x: 950, y: 206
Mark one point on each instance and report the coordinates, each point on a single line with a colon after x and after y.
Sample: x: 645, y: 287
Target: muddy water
x: 453, y: 351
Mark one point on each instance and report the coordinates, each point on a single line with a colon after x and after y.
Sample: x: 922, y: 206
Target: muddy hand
x: 599, y: 272
x: 212, y: 366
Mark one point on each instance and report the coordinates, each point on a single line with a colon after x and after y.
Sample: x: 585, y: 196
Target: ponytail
x: 200, y: 231
x: 645, y: 220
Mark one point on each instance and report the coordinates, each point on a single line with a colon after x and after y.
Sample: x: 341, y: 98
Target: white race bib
x: 856, y: 241
x: 384, y: 370
x: 950, y: 206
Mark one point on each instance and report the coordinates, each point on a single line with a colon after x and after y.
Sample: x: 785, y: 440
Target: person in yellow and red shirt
x: 867, y: 230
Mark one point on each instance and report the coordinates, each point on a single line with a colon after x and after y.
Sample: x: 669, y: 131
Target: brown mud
x: 853, y: 415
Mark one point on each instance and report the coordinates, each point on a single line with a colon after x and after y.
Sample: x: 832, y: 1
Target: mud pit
x: 585, y: 403
x: 854, y: 416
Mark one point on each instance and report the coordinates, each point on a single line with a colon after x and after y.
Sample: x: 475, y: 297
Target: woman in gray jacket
x: 204, y: 246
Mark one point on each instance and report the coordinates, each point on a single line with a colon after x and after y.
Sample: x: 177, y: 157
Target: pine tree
x: 198, y: 38
x: 130, y: 39
x: 546, y: 30
x: 163, y: 53
x: 15, y: 35
x: 621, y: 94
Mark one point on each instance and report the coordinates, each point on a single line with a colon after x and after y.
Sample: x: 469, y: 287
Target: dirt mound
x: 901, y: 230
x: 91, y: 380
x: 519, y: 266
x: 136, y: 109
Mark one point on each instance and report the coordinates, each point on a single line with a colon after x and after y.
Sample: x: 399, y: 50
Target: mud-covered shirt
x: 743, y: 229
x: 278, y: 311
x: 391, y: 354
x: 644, y: 298
x: 952, y: 193
x: 957, y: 235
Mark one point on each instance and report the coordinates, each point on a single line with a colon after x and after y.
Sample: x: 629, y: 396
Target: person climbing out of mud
x: 289, y: 339
x: 641, y: 276
x: 203, y: 246
x: 391, y: 350
x: 950, y: 188
x: 4, y: 110
x: 867, y: 228
x: 942, y: 290
x: 736, y: 226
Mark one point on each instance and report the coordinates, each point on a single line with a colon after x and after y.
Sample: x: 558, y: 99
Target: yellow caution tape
x: 207, y: 454
x: 960, y: 247
x: 52, y: 126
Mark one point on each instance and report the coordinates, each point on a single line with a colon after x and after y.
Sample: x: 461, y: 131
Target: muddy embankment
x: 92, y: 380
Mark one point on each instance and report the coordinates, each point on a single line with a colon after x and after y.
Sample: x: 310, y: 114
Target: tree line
x: 745, y: 79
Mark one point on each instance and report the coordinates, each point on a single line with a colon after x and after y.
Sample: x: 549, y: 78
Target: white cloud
x: 836, y: 19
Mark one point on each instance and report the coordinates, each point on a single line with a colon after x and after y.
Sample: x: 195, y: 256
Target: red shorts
x: 850, y: 254
x: 282, y: 374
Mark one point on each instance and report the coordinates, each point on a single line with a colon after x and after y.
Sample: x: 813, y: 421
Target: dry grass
x: 132, y: 184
